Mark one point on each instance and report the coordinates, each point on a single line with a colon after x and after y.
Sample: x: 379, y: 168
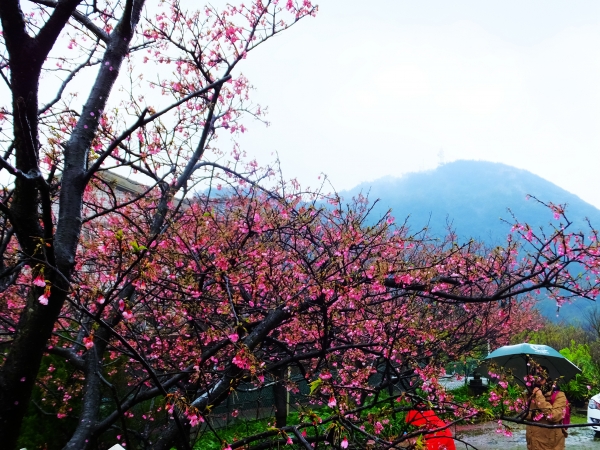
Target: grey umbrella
x: 518, y: 358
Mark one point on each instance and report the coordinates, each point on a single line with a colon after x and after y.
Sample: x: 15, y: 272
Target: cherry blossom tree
x: 249, y: 282
x: 77, y: 74
x: 134, y: 308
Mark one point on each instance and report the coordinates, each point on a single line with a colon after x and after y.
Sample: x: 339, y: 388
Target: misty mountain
x: 473, y: 197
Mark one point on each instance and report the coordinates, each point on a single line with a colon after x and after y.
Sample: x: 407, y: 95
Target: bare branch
x: 81, y: 18
x: 65, y: 83
x: 144, y: 121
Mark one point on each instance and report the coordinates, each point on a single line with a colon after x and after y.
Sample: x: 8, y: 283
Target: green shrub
x: 578, y: 389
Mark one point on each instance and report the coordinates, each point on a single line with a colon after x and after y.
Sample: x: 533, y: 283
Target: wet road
x: 484, y: 437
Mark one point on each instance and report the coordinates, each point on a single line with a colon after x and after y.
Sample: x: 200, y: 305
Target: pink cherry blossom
x: 88, y: 341
x: 43, y: 299
x: 39, y: 281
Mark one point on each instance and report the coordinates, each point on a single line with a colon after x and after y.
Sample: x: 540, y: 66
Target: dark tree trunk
x: 83, y: 437
x: 20, y: 368
x: 281, y: 398
x: 26, y: 57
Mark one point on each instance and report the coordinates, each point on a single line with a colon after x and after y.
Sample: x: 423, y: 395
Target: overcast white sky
x: 384, y: 87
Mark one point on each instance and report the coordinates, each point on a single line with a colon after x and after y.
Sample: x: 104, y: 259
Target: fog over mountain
x: 473, y: 196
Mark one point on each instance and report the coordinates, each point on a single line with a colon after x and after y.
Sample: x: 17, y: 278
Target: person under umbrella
x: 546, y: 406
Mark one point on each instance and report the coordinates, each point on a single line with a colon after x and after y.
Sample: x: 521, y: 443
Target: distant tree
x: 591, y: 323
x: 135, y: 310
x: 558, y: 335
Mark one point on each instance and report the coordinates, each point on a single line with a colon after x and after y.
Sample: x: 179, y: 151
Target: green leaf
x: 137, y: 247
x: 315, y: 385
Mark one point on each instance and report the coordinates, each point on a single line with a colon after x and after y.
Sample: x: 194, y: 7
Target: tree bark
x: 281, y: 397
x: 18, y: 374
x: 26, y: 57
x: 83, y: 437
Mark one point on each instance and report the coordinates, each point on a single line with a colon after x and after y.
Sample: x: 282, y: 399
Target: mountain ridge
x: 432, y: 196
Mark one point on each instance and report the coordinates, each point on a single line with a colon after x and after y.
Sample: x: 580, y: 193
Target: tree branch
x: 81, y: 18
x: 144, y: 121
x: 64, y: 84
x: 13, y: 26
x: 69, y: 355
x: 63, y: 10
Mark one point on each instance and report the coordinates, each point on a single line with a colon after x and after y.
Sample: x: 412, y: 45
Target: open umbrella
x: 516, y: 358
